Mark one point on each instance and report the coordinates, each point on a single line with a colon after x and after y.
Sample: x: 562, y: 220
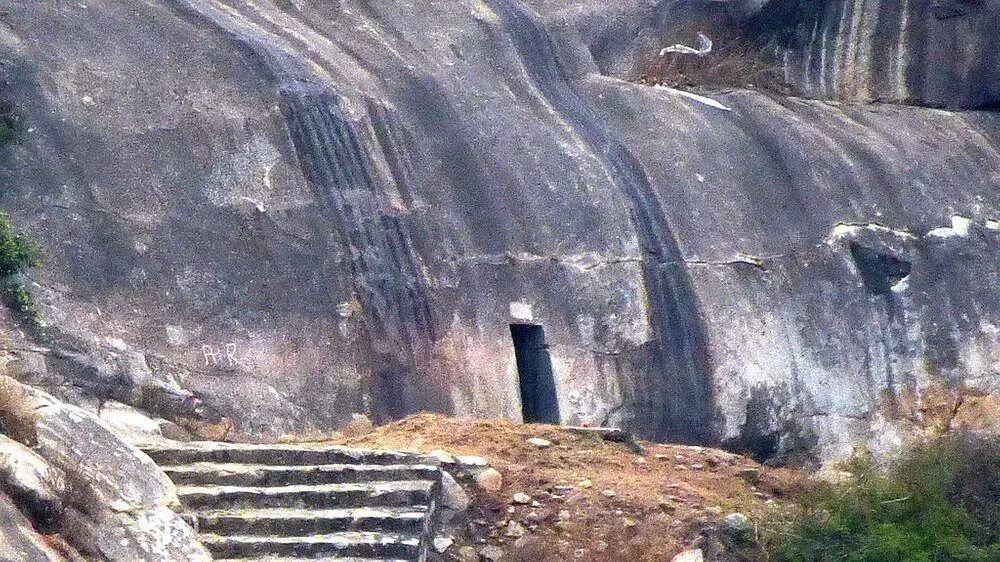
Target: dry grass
x: 17, y: 411
x: 735, y: 62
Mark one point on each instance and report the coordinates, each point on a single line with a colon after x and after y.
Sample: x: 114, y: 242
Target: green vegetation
x: 940, y: 502
x: 17, y: 255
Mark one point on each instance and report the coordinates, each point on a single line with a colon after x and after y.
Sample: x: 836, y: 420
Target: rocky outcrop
x: 319, y: 208
x: 18, y: 540
x: 36, y: 485
x: 122, y: 504
x: 84, y: 482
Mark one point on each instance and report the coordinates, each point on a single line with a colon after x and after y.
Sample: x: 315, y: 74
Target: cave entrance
x: 534, y: 371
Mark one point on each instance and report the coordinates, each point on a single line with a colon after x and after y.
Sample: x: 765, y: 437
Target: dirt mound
x: 589, y: 499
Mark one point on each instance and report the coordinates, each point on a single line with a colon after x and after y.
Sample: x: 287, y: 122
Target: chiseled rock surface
x: 18, y: 540
x: 321, y: 208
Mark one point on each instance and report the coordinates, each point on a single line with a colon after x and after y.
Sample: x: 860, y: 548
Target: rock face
x: 18, y: 541
x: 26, y: 476
x: 929, y: 52
x: 321, y: 208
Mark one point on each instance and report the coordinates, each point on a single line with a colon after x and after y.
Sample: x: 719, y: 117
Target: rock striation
x: 311, y: 209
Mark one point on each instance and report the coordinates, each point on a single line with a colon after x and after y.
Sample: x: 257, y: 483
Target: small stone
x: 470, y: 461
x: 360, y: 425
x: 522, y: 498
x: 695, y: 555
x: 515, y: 530
x: 563, y: 515
x: 640, y: 460
x: 609, y: 493
x: 540, y: 443
x: 442, y: 544
x: 441, y: 456
x: 490, y: 480
x: 832, y: 476
x: 491, y: 553
x: 468, y: 554
x: 697, y: 466
x: 536, y: 504
x: 453, y: 497
x: 737, y: 524
x: 586, y: 483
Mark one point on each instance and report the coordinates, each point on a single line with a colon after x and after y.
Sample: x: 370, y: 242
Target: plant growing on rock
x: 734, y: 61
x: 18, y: 254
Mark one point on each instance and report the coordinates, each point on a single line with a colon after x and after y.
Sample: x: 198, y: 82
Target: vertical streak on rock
x: 825, y: 60
x: 902, y: 48
x: 382, y: 261
x: 679, y: 399
x: 811, y: 76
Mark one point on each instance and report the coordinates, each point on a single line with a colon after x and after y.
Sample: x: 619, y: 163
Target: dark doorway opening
x: 534, y: 369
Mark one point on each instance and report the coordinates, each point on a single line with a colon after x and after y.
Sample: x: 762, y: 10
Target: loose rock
x: 492, y: 553
x: 737, y: 524
x: 490, y: 480
x: 522, y: 498
x: 515, y: 530
x: 695, y: 555
x: 442, y: 544
x: 539, y: 442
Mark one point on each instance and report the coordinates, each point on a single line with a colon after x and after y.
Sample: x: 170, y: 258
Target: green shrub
x: 939, y: 502
x: 18, y: 254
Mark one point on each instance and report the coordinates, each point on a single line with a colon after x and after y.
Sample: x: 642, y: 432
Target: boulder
x: 118, y: 476
x: 37, y: 486
x: 121, y: 501
x: 132, y: 424
x: 18, y: 540
x: 153, y: 535
x: 453, y: 496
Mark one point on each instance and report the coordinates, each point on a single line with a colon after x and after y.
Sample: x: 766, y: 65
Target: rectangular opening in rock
x: 534, y: 368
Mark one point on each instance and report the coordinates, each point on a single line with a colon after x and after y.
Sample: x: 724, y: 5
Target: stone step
x: 357, y: 544
x: 297, y: 522
x: 275, y: 454
x: 228, y: 474
x: 364, y: 494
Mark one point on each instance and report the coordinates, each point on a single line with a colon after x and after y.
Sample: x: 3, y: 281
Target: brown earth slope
x: 591, y: 499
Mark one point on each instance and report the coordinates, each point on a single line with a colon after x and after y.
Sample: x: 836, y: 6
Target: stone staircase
x: 297, y: 502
